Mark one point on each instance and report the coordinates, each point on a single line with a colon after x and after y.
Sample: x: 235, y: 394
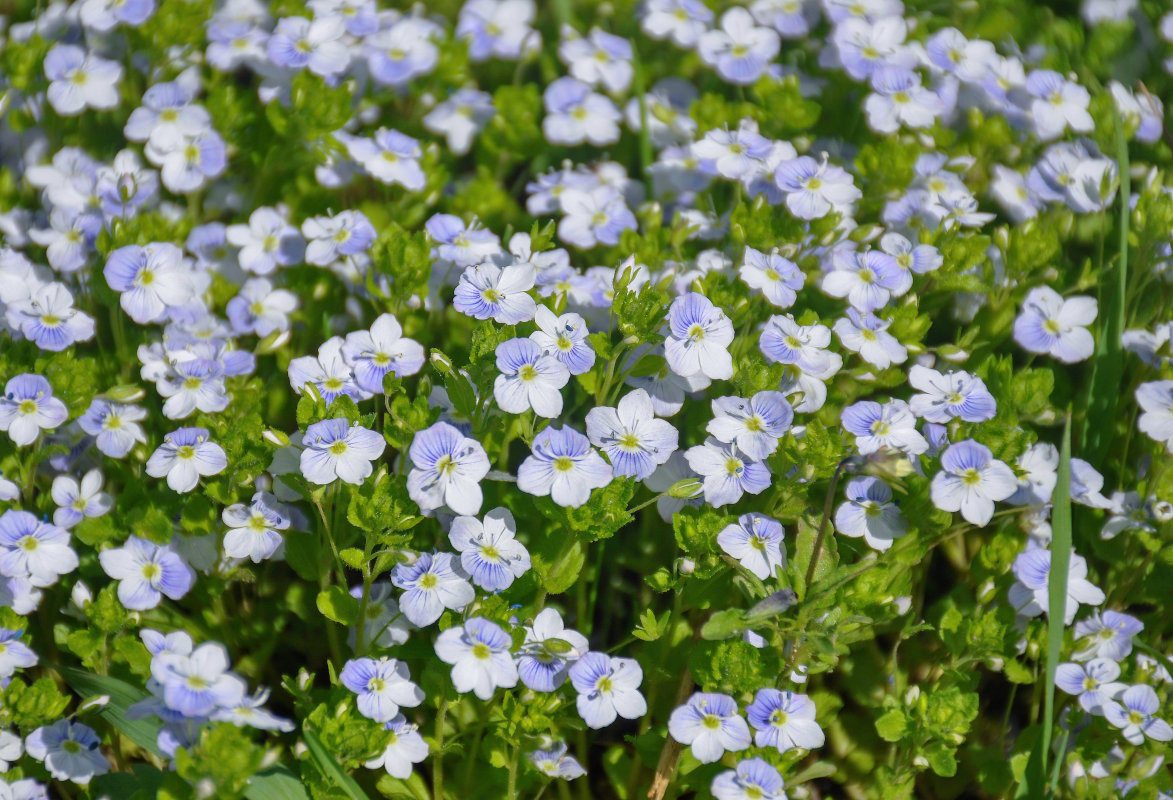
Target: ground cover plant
x: 506, y: 399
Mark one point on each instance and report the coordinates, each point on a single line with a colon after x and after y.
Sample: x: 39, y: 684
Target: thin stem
x: 438, y: 761
x: 827, y: 503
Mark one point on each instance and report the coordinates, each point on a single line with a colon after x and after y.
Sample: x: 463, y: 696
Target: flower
x: 260, y: 308
x: 734, y: 155
x: 598, y: 58
x: 575, y: 114
x: 869, y: 512
x: 814, y: 188
x: 1030, y: 594
x: 682, y: 21
x: 608, y: 687
x: 460, y: 118
x: 1133, y: 714
x: 431, y: 584
x: 488, y: 550
x: 1156, y: 401
x: 1052, y: 325
x: 80, y: 80
x: 756, y: 542
x: 867, y: 280
x: 594, y: 216
x: 447, y: 467
x: 498, y: 28
x: 563, y: 466
x: 196, y: 684
x: 185, y: 455
x: 49, y: 319
x: 381, y: 350
x: 298, y: 43
x: 14, y: 655
x: 29, y: 407
x: 330, y: 238
x: 529, y: 379
x: 710, y: 723
x: 254, y: 529
x: 480, y: 658
x: 406, y: 747
x: 753, y: 779
x: 739, y: 50
x: 1094, y: 683
x: 1057, y: 104
x: 34, y: 550
x: 1106, y: 635
x: 784, y: 720
x: 952, y: 395
x: 555, y: 762
x: 151, y: 279
x: 754, y: 425
x: 335, y: 449
x: 699, y: 337
x: 267, y: 242
x: 971, y: 480
x: 329, y: 372
x: 867, y: 334
x: 727, y: 473
x: 633, y: 439
x: 70, y: 750
x: 778, y: 279
x: 876, y: 427
x: 114, y: 426
x: 487, y: 291
x: 391, y: 157
x: 565, y: 338
x: 382, y: 687
x: 145, y: 572
x: 549, y: 650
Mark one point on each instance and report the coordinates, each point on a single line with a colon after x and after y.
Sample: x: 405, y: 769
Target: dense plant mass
x: 515, y: 399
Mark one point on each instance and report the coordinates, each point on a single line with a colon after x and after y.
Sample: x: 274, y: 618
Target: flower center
x: 444, y: 465
x: 376, y: 685
x: 481, y: 651
x: 428, y: 581
x: 971, y: 477
x: 338, y: 448
x: 527, y: 372
x: 28, y: 406
x: 151, y: 572
x: 185, y: 452
x: 711, y: 721
x: 563, y: 463
x: 778, y: 718
x: 734, y: 466
x: 27, y: 543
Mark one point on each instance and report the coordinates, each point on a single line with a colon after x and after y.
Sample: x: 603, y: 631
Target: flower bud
x: 276, y: 438
x: 686, y: 489
x: 126, y: 393
x: 81, y: 595
x: 273, y: 342
x: 685, y: 566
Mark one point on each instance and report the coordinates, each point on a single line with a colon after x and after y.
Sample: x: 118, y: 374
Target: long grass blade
x: 1057, y: 584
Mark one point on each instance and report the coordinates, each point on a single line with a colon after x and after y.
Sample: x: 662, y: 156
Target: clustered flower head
x: 358, y: 342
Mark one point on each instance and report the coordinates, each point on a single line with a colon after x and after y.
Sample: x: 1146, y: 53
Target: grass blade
x: 330, y: 767
x: 142, y: 732
x: 1056, y: 598
x: 1108, y: 361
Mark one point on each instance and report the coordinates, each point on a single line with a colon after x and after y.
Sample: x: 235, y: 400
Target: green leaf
x: 330, y: 767
x: 559, y: 574
x: 336, y: 604
x: 275, y: 783
x: 142, y: 732
x: 892, y: 726
x: 942, y: 759
x: 724, y: 625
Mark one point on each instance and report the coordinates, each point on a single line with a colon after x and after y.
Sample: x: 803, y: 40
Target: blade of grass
x: 645, y: 137
x: 275, y: 783
x: 1057, y: 584
x: 1108, y: 362
x: 330, y: 767
x: 143, y: 732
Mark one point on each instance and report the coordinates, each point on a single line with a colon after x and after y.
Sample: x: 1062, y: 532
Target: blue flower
x: 754, y: 425
x: 447, y: 468
x: 549, y: 650
x: 631, y: 436
x: 337, y: 450
x: 32, y: 549
x: 753, y: 779
x: 565, y: 338
x: 529, y: 379
x: 869, y: 512
x: 784, y: 720
x: 728, y: 473
x: 115, y: 426
x: 479, y: 654
x: 555, y: 762
x: 197, y: 684
x: 151, y: 279
x: 954, y: 394
x: 14, y: 654
x: 71, y: 751
x: 564, y: 466
x: 488, y: 550
x: 1056, y: 326
x: 145, y: 572
x: 487, y: 291
x: 29, y: 407
x: 710, y: 723
x: 971, y: 480
x: 382, y: 687
x: 608, y: 687
x: 699, y: 337
x: 431, y: 584
x: 756, y: 542
x: 185, y: 455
